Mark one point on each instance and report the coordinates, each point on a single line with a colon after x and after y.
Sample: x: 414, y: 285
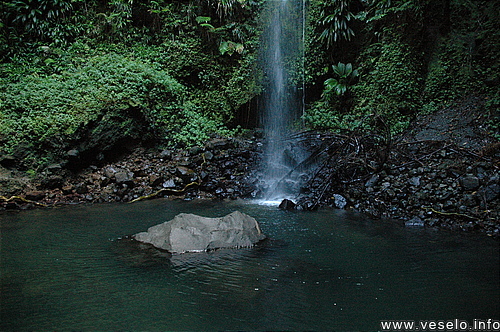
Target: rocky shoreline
x: 449, y: 189
x: 452, y: 182
x: 222, y: 169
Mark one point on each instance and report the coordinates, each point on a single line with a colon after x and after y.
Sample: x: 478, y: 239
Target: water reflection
x: 73, y: 269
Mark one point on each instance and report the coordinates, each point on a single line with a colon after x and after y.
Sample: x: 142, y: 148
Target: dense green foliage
x: 412, y: 56
x: 178, y: 72
x: 37, y: 108
x: 170, y: 71
x: 392, y: 85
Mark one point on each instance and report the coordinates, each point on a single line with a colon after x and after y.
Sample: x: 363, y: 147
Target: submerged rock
x: 192, y: 233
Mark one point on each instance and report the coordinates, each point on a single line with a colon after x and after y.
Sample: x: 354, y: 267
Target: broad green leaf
x: 203, y: 19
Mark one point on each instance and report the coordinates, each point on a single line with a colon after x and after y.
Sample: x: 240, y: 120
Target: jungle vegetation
x: 89, y: 75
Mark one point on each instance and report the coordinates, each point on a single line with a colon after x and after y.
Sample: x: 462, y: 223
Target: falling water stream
x: 282, y: 58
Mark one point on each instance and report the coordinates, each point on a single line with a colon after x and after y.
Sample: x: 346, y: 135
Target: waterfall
x: 283, y: 64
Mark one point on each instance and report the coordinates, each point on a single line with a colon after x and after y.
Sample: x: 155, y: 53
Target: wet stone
x: 11, y: 206
x: 35, y: 195
x: 490, y: 192
x: 53, y: 168
x: 124, y: 176
x: 166, y: 154
x: 208, y: 155
x: 109, y: 172
x: 414, y: 181
x: 81, y: 188
x: 67, y: 189
x: 469, y: 182
x: 195, y: 150
x: 340, y: 201
x: 415, y: 222
x: 52, y: 182
x: 169, y: 184
x: 140, y: 173
x: 372, y: 181
x: 182, y: 170
x: 390, y: 193
x: 73, y: 153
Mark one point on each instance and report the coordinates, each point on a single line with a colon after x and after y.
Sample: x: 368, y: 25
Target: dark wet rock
x: 74, y: 153
x: 68, y: 189
x: 414, y: 181
x: 105, y: 181
x: 54, y: 168
x: 372, y: 181
x: 35, y: 195
x: 489, y: 193
x: 109, y: 172
x: 287, y: 205
x: 195, y: 150
x: 208, y: 155
x: 140, y: 173
x: 192, y: 233
x: 7, y: 161
x: 155, y: 180
x: 469, y: 182
x: 184, y: 171
x: 220, y: 191
x: 166, y: 154
x: 307, y: 204
x: 390, y: 193
x: 494, y: 179
x: 449, y: 181
x: 81, y: 188
x: 52, y: 182
x: 11, y: 206
x: 220, y: 144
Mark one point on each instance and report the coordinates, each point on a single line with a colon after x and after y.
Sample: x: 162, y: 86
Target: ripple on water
x: 323, y: 270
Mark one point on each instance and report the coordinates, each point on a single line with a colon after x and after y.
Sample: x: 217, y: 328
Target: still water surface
x: 66, y: 269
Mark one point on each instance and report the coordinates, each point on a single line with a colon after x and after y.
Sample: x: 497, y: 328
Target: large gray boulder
x: 191, y: 233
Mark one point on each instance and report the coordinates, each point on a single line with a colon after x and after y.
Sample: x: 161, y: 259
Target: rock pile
x: 429, y: 183
x: 442, y: 172
x: 451, y: 191
x: 223, y: 168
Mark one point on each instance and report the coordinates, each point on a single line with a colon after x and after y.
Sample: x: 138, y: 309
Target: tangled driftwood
x: 342, y: 157
x: 5, y: 199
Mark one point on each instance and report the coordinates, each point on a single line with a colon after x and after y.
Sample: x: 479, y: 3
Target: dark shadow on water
x: 142, y: 255
x: 137, y: 254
